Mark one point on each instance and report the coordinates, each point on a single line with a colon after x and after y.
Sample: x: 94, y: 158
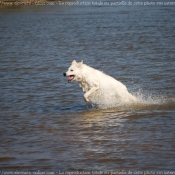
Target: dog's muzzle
x: 64, y: 74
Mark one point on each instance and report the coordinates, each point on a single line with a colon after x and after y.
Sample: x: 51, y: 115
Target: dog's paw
x: 86, y: 99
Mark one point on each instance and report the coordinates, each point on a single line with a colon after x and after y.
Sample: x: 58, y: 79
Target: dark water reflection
x: 46, y: 125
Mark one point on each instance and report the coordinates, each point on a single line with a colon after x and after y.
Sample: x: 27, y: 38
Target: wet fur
x: 94, y: 82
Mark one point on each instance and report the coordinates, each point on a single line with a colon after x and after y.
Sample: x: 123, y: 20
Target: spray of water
x: 106, y: 100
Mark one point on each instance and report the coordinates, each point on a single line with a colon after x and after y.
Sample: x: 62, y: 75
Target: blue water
x: 45, y: 123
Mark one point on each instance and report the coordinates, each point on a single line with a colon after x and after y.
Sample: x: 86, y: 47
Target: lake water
x: 45, y: 125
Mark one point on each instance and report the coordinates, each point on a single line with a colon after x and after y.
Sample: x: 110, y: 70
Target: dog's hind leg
x: 89, y: 93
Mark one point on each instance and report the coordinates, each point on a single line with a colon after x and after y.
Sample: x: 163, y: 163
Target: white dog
x: 99, y: 88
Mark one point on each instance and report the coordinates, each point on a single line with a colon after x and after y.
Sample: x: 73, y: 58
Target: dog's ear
x: 80, y: 64
x: 74, y: 62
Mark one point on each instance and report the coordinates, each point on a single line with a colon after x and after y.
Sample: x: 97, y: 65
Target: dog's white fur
x: 98, y: 87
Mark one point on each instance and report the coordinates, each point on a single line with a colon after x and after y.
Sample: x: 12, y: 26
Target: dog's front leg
x: 89, y: 93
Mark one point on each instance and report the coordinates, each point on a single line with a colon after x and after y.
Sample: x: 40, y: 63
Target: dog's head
x: 74, y: 71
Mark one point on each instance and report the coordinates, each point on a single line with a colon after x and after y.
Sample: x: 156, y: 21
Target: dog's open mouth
x: 70, y: 78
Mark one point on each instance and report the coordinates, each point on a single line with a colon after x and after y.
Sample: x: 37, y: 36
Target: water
x: 45, y: 123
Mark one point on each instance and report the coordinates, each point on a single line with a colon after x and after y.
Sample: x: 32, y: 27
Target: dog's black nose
x: 64, y: 74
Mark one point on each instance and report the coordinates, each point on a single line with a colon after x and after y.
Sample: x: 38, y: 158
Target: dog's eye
x: 71, y: 70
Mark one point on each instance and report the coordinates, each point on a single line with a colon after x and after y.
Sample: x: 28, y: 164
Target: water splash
x: 140, y: 100
x: 149, y: 97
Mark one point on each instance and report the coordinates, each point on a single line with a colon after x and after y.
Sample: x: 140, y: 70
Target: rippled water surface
x: 45, y: 123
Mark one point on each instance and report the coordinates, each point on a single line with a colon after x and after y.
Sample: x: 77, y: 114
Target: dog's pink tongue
x: 70, y: 78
